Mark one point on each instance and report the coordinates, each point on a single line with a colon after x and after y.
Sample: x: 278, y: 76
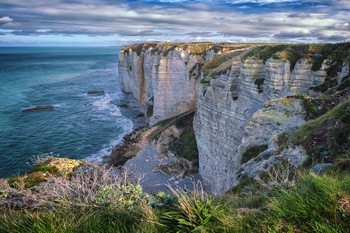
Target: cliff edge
x: 250, y: 101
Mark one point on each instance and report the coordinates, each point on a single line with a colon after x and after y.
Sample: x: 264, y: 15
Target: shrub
x: 124, y: 196
x: 193, y: 211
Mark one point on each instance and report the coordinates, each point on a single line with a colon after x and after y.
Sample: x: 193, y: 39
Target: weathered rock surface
x: 164, y: 76
x: 266, y: 126
x: 228, y: 122
x: 96, y: 92
x: 38, y: 108
x: 221, y: 120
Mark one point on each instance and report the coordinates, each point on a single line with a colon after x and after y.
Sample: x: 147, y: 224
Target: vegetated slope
x: 250, y: 101
x: 287, y: 200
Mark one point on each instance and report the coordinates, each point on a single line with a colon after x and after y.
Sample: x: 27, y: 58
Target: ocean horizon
x: 80, y: 126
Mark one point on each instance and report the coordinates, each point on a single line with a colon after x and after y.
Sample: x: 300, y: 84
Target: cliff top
x: 316, y: 54
x: 195, y: 48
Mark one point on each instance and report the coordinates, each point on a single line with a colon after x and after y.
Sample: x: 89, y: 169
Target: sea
x: 80, y: 126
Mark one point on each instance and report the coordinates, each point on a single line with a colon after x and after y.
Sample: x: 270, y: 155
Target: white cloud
x: 5, y: 19
x: 179, y: 21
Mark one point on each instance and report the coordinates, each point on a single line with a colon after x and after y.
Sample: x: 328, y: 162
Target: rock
x: 164, y: 76
x: 222, y: 123
x: 38, y: 108
x: 296, y: 156
x: 244, y: 102
x: 321, y: 167
x: 96, y: 92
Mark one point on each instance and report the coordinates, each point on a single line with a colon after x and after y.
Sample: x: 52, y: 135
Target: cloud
x: 180, y: 19
x: 5, y: 19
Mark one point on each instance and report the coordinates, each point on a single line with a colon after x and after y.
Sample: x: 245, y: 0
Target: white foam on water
x: 60, y: 105
x: 106, y: 150
x: 105, y: 104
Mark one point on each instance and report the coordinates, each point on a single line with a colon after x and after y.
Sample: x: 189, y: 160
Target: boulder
x: 38, y: 108
x: 95, y: 92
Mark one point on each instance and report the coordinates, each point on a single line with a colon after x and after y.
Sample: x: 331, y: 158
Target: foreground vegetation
x: 298, y: 202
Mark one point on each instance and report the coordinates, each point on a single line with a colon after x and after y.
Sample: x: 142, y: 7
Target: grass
x: 265, y: 52
x: 193, y: 48
x: 316, y: 203
x: 253, y: 152
x: 325, y: 136
x: 315, y: 54
x: 219, y: 64
x: 43, y: 169
x: 185, y: 145
x: 75, y: 219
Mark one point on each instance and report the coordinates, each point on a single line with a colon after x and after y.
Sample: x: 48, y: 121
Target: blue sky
x: 118, y: 22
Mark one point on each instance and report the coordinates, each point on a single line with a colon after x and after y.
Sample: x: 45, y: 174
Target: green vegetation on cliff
x: 310, y: 203
x: 315, y: 54
x: 326, y: 136
x: 219, y: 64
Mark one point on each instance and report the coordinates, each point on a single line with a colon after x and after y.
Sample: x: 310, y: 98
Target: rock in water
x: 37, y: 108
x: 95, y: 92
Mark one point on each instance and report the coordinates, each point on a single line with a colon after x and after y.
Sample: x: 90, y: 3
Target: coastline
x: 140, y: 157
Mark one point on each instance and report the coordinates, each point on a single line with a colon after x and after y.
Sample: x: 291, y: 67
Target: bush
x: 192, y: 213
x: 126, y: 196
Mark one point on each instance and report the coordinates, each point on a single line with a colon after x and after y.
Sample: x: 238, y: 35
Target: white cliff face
x: 238, y: 110
x: 166, y: 82
x: 173, y: 84
x: 226, y: 106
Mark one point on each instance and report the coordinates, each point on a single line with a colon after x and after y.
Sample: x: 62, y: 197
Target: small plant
x: 253, y: 152
x: 162, y: 199
x: 42, y: 158
x: 193, y: 211
x: 124, y: 196
x: 281, y: 176
x: 3, y: 188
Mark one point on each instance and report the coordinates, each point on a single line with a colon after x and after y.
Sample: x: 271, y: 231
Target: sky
x: 120, y: 22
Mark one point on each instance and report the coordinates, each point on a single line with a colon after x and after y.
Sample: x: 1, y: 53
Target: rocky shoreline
x: 141, y: 158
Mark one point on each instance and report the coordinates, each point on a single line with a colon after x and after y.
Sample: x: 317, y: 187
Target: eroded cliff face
x: 164, y: 76
x: 244, y: 103
x: 232, y: 120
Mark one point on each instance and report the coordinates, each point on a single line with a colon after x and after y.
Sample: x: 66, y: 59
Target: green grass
x: 75, y: 219
x: 253, y: 152
x: 326, y: 136
x: 317, y: 203
x: 313, y: 53
x: 265, y: 52
x: 314, y: 204
x: 219, y: 64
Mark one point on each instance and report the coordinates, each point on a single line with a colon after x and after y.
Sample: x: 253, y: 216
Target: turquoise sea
x: 80, y: 126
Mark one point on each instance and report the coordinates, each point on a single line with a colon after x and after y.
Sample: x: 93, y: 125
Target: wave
x: 106, y: 150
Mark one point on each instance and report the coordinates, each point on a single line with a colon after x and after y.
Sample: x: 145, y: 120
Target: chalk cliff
x: 244, y: 97
x: 164, y: 76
